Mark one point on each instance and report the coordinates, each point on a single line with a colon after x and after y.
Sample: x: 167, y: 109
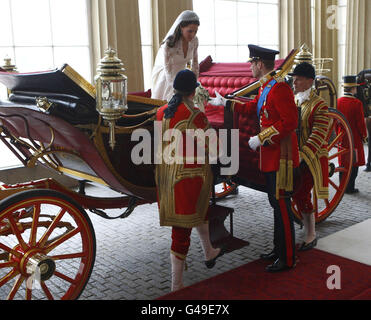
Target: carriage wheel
x: 340, y: 149
x: 226, y: 188
x: 47, y: 246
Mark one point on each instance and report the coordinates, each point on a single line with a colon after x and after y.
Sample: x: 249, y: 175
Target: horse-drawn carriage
x: 50, y: 119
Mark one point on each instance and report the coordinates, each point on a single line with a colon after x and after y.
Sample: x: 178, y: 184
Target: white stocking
x: 309, y: 222
x: 177, y: 267
x: 209, y: 251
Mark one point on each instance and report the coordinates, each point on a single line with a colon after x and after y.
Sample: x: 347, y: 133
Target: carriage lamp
x: 8, y: 66
x: 304, y: 55
x: 111, y: 91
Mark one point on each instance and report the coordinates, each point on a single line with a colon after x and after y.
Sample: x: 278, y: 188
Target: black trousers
x: 284, y: 231
x: 352, y: 179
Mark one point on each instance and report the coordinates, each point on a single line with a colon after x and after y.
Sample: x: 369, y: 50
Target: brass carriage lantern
x: 8, y: 66
x: 304, y: 55
x: 111, y: 91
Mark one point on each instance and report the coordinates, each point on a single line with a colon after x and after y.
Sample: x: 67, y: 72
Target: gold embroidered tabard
x: 168, y: 175
x: 313, y: 143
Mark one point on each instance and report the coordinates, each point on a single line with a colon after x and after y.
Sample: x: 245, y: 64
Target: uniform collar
x: 306, y: 95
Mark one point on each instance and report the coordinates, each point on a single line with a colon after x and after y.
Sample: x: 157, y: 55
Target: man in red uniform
x: 183, y: 185
x: 278, y: 116
x: 314, y: 129
x: 352, y: 109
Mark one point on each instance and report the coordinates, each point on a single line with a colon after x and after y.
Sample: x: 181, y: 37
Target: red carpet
x: 308, y: 280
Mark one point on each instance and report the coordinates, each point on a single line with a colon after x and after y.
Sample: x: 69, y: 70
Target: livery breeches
x: 303, y: 184
x: 181, y: 240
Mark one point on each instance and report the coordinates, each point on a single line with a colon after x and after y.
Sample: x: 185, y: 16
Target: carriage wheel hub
x: 40, y: 265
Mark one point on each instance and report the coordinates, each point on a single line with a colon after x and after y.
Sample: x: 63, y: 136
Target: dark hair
x: 174, y: 102
x: 172, y: 39
x: 269, y: 64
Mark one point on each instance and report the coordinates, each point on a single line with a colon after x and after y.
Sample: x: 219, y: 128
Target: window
x: 228, y: 26
x: 42, y: 35
x: 146, y: 39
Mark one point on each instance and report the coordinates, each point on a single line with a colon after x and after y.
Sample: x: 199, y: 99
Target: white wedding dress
x: 169, y: 61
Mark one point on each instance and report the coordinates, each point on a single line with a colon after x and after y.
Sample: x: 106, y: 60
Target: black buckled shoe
x: 211, y: 263
x: 278, y: 266
x: 269, y: 256
x: 351, y: 191
x: 307, y: 246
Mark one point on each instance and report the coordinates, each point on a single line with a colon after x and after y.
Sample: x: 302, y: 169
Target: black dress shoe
x: 278, y: 266
x: 368, y: 169
x: 307, y: 246
x: 269, y: 256
x: 351, y: 191
x: 211, y: 263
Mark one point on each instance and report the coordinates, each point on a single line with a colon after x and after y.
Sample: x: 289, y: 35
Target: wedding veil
x: 186, y: 15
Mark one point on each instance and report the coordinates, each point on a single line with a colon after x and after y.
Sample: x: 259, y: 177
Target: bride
x: 177, y: 50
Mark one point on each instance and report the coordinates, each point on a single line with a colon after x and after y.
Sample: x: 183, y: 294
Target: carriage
x: 50, y: 119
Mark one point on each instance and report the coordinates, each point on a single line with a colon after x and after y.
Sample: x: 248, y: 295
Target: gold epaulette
x: 278, y: 78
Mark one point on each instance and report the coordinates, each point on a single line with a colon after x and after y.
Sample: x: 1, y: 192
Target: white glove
x: 254, y: 142
x: 218, y: 101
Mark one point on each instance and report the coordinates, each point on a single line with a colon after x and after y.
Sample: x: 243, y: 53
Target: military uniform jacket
x: 313, y: 141
x: 352, y: 109
x: 278, y: 120
x: 184, y: 187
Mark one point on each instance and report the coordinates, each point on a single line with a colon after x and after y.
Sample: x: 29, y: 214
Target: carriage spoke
x: 51, y: 228
x: 341, y: 152
x: 62, y: 239
x: 64, y: 277
x: 15, y: 288
x: 8, y: 264
x: 34, y: 225
x: 28, y: 293
x: 16, y: 232
x: 46, y: 291
x: 13, y: 252
x: 327, y: 203
x: 68, y: 256
x: 8, y: 277
x: 340, y: 169
x: 334, y: 185
x: 335, y: 140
